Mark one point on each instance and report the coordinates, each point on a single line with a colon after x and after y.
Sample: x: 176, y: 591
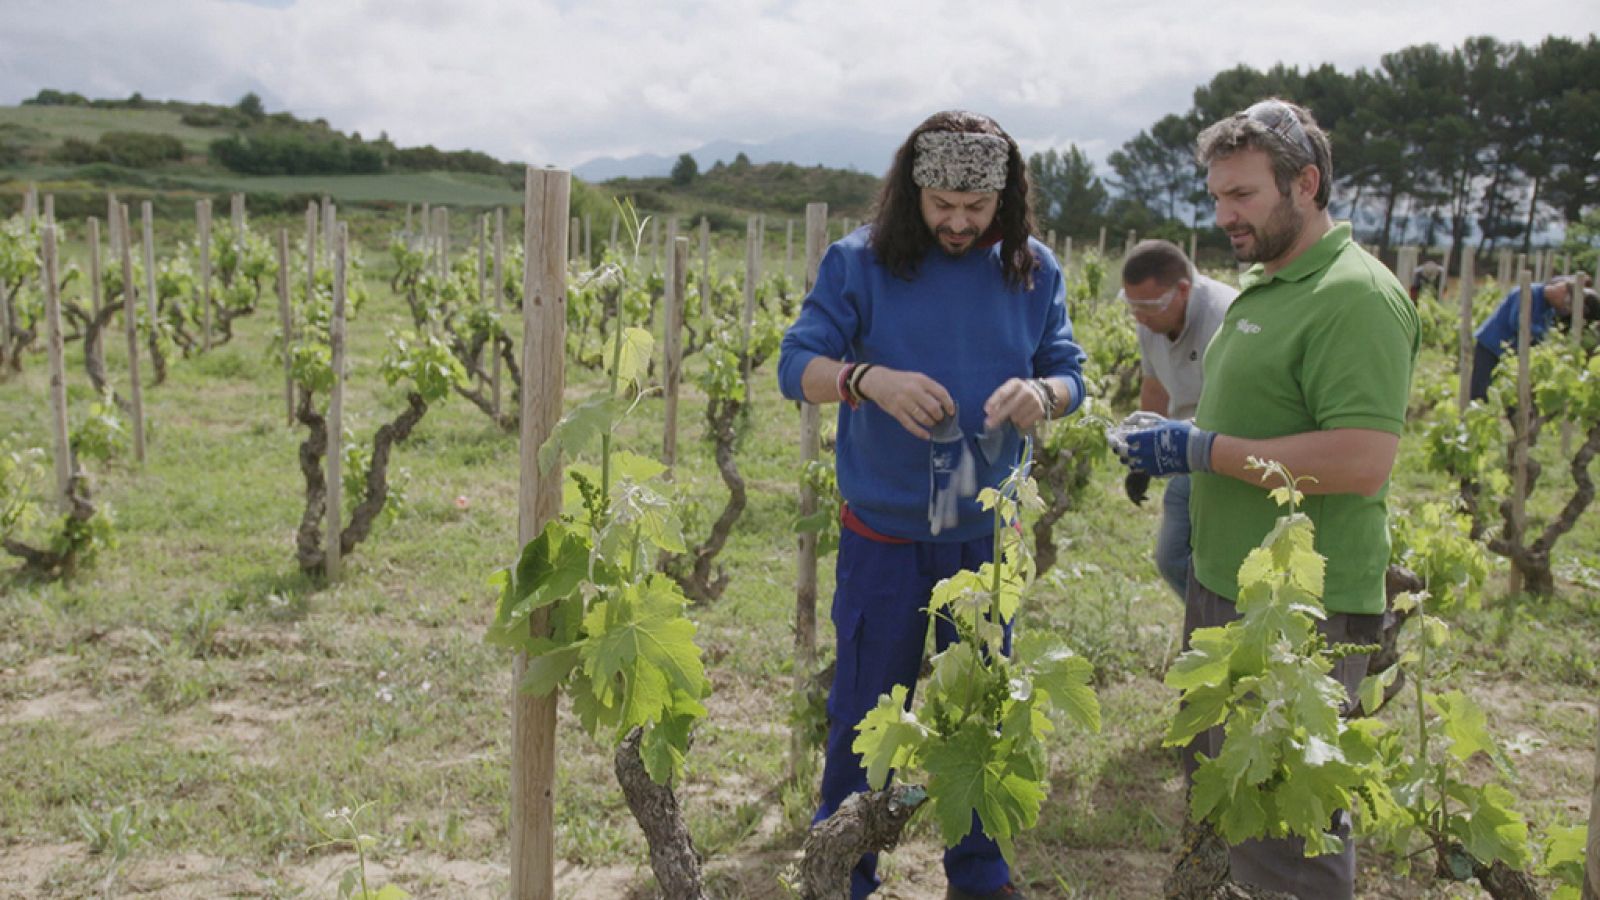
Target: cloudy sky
x: 560, y: 82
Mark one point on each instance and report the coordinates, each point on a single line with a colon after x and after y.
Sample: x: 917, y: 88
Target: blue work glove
x: 1156, y: 445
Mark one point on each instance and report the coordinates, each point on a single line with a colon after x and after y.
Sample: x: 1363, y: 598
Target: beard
x: 945, y: 237
x: 1275, y: 237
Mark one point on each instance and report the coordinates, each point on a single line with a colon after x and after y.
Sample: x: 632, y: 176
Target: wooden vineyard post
x: 1444, y: 268
x: 483, y: 278
x: 533, y: 718
x: 311, y: 251
x: 1575, y: 287
x: 1591, y: 872
x: 588, y: 242
x: 705, y: 272
x: 336, y: 405
x: 236, y: 216
x: 655, y: 244
x: 1502, y: 273
x: 95, y: 286
x: 1050, y: 240
x: 330, y: 216
x: 805, y: 582
x: 1127, y: 247
x: 130, y: 316
x: 1102, y: 242
x: 1519, y: 446
x: 752, y: 274
x: 1194, y: 242
x: 58, y: 364
x: 499, y: 307
x: 147, y: 222
x: 574, y: 243
x: 441, y: 237
x: 286, y: 323
x: 1406, y: 266
x: 405, y: 235
x: 677, y: 288
x: 788, y: 249
x: 202, y: 217
x: 1464, y: 358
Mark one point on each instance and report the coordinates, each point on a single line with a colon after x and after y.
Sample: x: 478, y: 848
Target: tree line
x: 1488, y: 144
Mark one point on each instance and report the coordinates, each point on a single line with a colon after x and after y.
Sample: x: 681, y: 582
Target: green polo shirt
x: 1328, y: 342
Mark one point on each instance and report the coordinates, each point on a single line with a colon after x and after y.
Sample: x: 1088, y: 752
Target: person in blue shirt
x: 1498, y: 333
x: 941, y: 328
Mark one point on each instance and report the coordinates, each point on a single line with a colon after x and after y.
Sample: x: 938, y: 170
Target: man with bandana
x: 941, y: 329
x: 1312, y: 368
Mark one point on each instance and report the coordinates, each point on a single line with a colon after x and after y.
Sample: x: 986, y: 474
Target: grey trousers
x: 1280, y: 864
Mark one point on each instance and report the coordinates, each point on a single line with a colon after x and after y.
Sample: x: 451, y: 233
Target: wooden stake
x: 788, y: 249
x: 236, y: 212
x: 655, y: 244
x: 335, y: 509
x: 202, y: 215
x: 1466, y: 352
x: 705, y: 272
x: 1591, y: 876
x: 1519, y: 447
x: 1050, y: 240
x: 330, y: 230
x: 1102, y: 242
x: 147, y: 222
x: 406, y: 235
x: 1576, y: 305
x: 574, y: 243
x: 752, y: 274
x: 805, y: 600
x: 311, y: 251
x: 499, y: 306
x: 30, y: 205
x: 533, y: 719
x: 1194, y: 243
x: 96, y: 289
x: 588, y: 243
x: 286, y: 324
x: 677, y: 290
x: 58, y: 365
x: 130, y: 316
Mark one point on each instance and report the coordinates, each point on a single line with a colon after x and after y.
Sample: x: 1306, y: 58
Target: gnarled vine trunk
x: 655, y: 807
x: 696, y: 571
x: 870, y: 822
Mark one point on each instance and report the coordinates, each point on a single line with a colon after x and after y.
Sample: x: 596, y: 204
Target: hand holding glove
x: 1155, y: 445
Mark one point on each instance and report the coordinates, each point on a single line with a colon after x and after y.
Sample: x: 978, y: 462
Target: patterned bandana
x: 960, y: 161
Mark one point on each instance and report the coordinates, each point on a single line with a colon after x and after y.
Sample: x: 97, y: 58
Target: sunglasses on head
x: 1278, y: 118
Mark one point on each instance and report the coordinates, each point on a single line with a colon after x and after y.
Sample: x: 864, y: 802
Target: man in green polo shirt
x: 1311, y: 367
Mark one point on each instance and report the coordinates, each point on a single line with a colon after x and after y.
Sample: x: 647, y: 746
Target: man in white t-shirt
x: 1178, y: 310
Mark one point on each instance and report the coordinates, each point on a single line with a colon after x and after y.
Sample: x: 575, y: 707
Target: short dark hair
x: 900, y: 236
x: 1161, y: 260
x: 1254, y: 129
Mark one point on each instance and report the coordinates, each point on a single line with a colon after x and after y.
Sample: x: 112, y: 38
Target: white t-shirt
x: 1178, y: 364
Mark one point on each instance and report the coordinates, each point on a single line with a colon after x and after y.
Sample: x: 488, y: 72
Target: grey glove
x: 952, y: 474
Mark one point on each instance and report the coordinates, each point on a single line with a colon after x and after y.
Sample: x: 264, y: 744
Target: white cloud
x: 555, y: 81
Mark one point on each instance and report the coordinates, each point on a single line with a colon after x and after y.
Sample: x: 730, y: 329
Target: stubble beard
x: 1276, y: 236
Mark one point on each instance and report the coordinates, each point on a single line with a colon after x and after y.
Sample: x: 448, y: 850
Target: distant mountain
x: 845, y: 148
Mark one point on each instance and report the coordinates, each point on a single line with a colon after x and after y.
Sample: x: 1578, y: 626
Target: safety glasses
x: 1155, y: 305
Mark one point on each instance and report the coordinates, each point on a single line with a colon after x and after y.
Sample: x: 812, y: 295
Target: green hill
x: 174, y: 152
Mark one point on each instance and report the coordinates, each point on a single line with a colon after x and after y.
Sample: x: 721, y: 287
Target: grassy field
x: 47, y: 127
x: 182, y: 718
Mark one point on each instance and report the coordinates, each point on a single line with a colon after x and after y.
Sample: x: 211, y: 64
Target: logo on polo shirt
x: 1249, y: 327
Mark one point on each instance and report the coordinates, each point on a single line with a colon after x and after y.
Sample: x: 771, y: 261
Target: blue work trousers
x: 880, y: 618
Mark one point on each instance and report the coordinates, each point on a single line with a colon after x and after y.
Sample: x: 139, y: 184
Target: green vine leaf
x: 887, y: 737
x: 578, y: 429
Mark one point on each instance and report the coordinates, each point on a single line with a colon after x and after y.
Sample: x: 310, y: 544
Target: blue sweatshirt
x: 955, y: 321
x: 1499, y: 331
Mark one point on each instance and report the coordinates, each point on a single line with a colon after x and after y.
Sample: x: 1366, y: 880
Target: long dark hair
x: 901, y: 238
